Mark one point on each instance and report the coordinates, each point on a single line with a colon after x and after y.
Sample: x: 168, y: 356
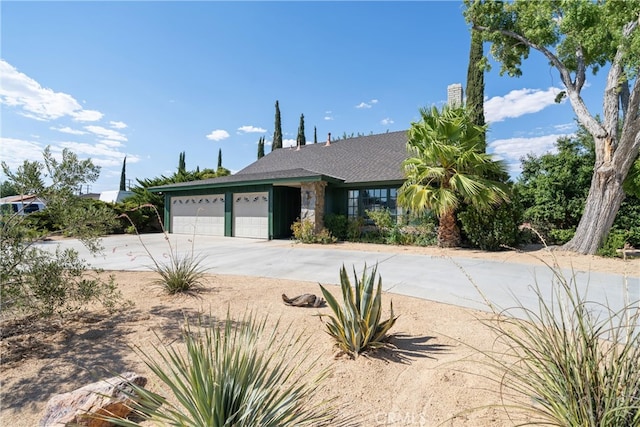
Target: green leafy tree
x: 576, y: 36
x: 554, y: 186
x: 123, y: 175
x: 446, y: 168
x: 35, y: 281
x: 301, y: 139
x: 277, y: 132
x: 315, y: 135
x: 219, y: 158
x: 27, y: 179
x: 8, y: 189
x: 261, y: 148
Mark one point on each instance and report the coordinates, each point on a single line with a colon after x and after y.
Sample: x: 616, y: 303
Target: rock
x: 106, y: 397
x: 304, y: 300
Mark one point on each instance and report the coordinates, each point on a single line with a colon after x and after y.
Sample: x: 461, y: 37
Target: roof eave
x: 291, y: 180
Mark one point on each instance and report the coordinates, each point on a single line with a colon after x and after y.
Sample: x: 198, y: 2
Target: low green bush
x: 304, y: 232
x: 492, y: 230
x: 354, y: 229
x: 615, y: 240
x: 356, y: 324
x: 338, y: 225
x: 560, y: 236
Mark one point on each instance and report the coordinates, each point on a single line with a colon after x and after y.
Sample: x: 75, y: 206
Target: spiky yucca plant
x: 356, y: 324
x: 565, y: 364
x: 233, y: 373
x: 183, y: 273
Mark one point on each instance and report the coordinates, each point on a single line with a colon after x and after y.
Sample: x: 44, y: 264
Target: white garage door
x: 202, y: 215
x: 251, y: 215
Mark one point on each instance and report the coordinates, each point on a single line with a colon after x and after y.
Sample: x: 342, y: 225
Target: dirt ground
x: 432, y: 375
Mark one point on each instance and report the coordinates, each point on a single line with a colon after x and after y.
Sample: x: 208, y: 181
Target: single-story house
x: 264, y: 199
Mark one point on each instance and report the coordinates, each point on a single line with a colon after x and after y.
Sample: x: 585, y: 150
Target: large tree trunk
x: 448, y: 231
x: 602, y: 204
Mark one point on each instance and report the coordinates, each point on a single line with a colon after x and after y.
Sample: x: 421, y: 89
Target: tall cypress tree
x: 123, y: 175
x: 261, y: 148
x: 475, y: 82
x: 219, y: 158
x: 182, y: 165
x: 301, y: 139
x: 315, y: 135
x: 277, y: 133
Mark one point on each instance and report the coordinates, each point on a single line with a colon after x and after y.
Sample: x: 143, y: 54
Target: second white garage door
x: 251, y: 215
x: 202, y: 215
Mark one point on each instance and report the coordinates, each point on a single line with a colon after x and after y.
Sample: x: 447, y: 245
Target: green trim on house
x: 209, y: 185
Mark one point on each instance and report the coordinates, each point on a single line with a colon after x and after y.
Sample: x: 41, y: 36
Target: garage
x: 202, y: 215
x: 251, y: 215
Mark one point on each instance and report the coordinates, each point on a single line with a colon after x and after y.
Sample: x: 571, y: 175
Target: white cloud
x: 16, y: 151
x: 118, y: 125
x: 21, y: 91
x: 106, y: 133
x: 86, y: 116
x: 251, y: 129
x: 111, y: 143
x: 518, y: 103
x: 218, y: 135
x: 92, y: 150
x: 68, y: 130
x: 289, y: 143
x: 367, y: 104
x: 565, y: 127
x: 511, y: 150
x: 386, y: 121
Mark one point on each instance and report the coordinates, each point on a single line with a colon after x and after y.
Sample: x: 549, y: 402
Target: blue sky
x: 152, y: 79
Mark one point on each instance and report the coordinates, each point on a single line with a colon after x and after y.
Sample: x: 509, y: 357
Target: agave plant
x: 356, y: 324
x: 232, y: 373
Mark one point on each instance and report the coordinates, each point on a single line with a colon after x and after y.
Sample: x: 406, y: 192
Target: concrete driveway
x: 429, y: 277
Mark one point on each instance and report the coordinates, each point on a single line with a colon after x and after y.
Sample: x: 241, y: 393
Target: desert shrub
x: 304, y: 232
x: 182, y: 273
x: 55, y: 283
x: 33, y: 280
x: 571, y: 362
x: 615, y: 240
x: 355, y: 325
x: 143, y: 217
x: 337, y: 225
x: 354, y: 228
x: 560, y: 236
x: 233, y: 373
x: 495, y: 229
x: 390, y: 232
x: 628, y: 219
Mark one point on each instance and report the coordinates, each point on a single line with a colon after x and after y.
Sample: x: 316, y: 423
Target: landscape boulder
x: 107, y: 397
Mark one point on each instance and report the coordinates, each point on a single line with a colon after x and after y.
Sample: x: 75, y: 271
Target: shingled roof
x: 373, y: 158
x: 370, y: 158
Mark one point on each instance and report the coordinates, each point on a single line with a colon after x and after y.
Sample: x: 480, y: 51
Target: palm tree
x: 447, y: 166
